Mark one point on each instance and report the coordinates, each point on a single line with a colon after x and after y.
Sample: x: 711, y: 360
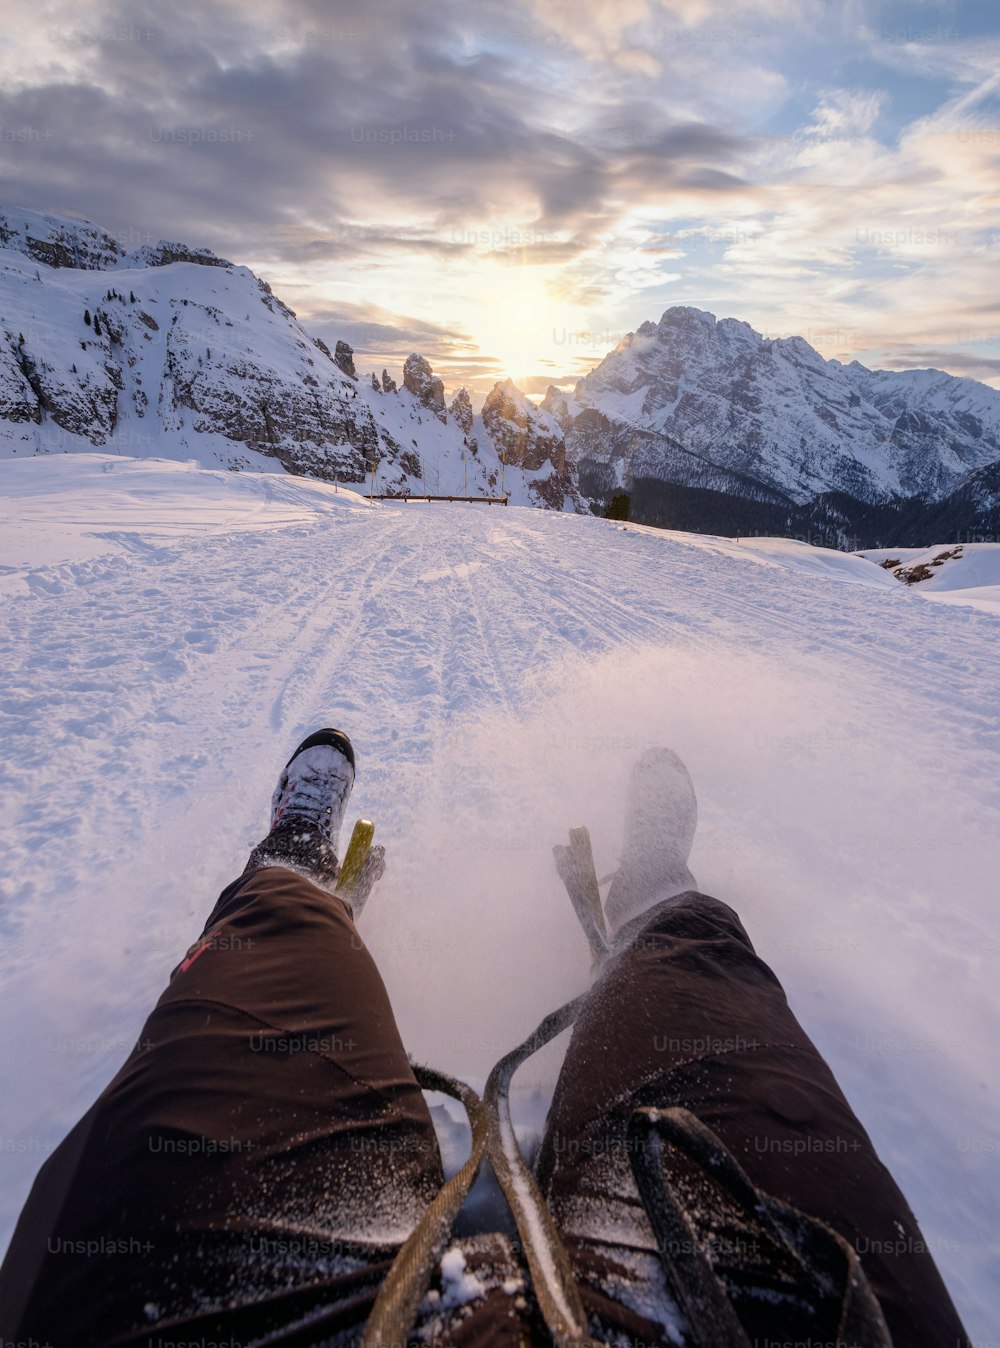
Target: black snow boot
x: 307, y: 809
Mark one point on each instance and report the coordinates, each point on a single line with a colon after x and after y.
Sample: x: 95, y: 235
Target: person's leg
x: 263, y: 1151
x: 687, y: 1015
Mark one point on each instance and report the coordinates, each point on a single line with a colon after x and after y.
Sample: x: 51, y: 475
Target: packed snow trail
x: 498, y: 671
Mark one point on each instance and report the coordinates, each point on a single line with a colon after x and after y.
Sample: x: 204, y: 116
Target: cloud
x: 953, y: 362
x: 936, y: 50
x: 398, y: 175
x: 372, y: 331
x: 846, y: 113
x: 226, y: 123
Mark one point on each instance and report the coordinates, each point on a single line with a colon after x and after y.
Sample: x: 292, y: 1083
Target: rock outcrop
x: 460, y: 410
x: 528, y: 437
x: 58, y: 241
x: 420, y: 380
x: 164, y: 254
x: 531, y: 440
x: 344, y: 359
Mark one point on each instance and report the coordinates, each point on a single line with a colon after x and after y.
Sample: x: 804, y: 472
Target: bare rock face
x: 164, y: 253
x: 83, y: 402
x: 388, y: 384
x: 556, y: 404
x: 344, y: 358
x: 424, y: 384
x: 461, y: 410
x: 376, y: 386
x: 530, y: 439
x: 525, y: 435
x: 315, y: 426
x: 18, y: 400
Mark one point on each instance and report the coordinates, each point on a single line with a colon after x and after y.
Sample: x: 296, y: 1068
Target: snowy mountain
x: 705, y: 425
x: 714, y: 406
x: 175, y: 352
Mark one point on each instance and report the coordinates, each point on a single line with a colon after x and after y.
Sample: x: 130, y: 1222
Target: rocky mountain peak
x: 461, y: 410
x: 506, y: 400
x: 712, y: 405
x: 527, y: 435
x: 424, y: 384
x: 344, y: 359
x: 685, y: 316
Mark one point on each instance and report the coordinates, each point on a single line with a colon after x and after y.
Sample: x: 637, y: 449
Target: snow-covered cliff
x: 171, y: 351
x: 714, y: 404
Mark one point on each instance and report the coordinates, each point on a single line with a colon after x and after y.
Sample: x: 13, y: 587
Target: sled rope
x: 392, y: 1317
x: 391, y: 1320
x: 819, y: 1258
x: 551, y: 1274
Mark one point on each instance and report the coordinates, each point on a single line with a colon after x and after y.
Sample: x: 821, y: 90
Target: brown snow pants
x: 265, y: 1149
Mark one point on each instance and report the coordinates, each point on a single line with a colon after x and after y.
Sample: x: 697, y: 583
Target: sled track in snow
x: 154, y: 695
x: 174, y: 656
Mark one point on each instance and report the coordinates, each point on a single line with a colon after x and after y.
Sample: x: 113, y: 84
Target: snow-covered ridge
x: 168, y: 350
x: 715, y: 404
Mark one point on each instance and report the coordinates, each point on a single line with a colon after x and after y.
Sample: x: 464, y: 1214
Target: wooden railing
x: 422, y: 496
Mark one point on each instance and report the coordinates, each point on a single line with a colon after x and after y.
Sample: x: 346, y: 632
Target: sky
x: 511, y: 186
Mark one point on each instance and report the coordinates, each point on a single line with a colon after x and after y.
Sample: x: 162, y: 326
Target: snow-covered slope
x: 714, y: 404
x: 58, y: 241
x: 171, y: 632
x: 964, y: 573
x: 172, y: 351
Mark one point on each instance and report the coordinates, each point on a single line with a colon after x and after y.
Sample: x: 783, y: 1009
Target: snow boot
x: 307, y: 809
x: 661, y: 814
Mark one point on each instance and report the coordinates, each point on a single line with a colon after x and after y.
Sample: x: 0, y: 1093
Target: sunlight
x: 514, y: 319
